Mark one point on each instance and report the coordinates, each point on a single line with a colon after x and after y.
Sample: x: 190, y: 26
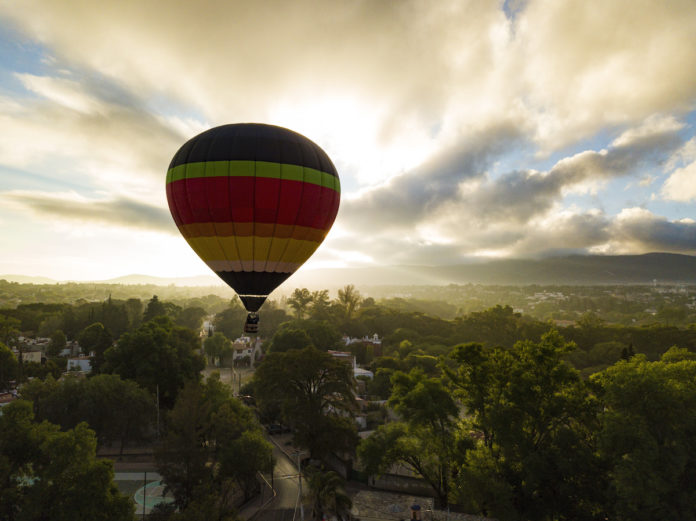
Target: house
x: 373, y: 342
x: 246, y: 350
x: 29, y: 356
x: 80, y: 363
x: 349, y: 358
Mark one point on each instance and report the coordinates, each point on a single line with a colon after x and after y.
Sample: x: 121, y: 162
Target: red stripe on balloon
x: 250, y: 199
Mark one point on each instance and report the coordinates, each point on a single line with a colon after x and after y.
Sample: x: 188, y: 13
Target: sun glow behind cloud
x: 459, y: 129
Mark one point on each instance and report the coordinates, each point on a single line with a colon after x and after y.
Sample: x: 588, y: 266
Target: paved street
x: 285, y: 506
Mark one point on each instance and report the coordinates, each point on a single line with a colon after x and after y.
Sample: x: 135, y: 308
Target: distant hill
x: 199, y: 280
x: 27, y: 279
x: 665, y: 268
x: 568, y: 270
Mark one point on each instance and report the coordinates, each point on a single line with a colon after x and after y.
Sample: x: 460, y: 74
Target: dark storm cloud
x: 410, y: 198
x: 517, y: 197
x: 119, y: 212
x: 640, y: 230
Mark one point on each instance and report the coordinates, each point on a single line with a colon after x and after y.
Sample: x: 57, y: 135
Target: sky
x: 461, y: 130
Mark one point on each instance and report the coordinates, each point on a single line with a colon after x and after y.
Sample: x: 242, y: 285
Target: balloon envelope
x: 254, y: 202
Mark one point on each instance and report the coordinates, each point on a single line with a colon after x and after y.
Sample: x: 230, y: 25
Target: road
x: 285, y: 506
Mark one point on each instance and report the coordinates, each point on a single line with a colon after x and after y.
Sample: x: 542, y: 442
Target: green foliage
x: 647, y: 436
x: 348, y: 300
x: 46, y: 473
x: 154, y: 308
x: 230, y: 322
x: 326, y: 494
x: 299, y: 334
x: 58, y: 343
x: 157, y: 354
x: 96, y: 339
x: 9, y: 329
x: 424, y: 440
x: 536, y: 457
x: 117, y: 410
x: 289, y: 338
x: 312, y: 392
x: 191, y: 317
x: 217, y: 346
x: 8, y: 366
x: 212, y: 442
x: 299, y: 301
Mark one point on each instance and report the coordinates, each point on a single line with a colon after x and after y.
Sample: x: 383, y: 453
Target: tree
x: 648, y: 428
x: 9, y: 329
x: 46, y: 473
x: 289, y: 338
x: 348, y: 299
x: 242, y: 458
x: 314, y: 394
x: 96, y: 339
x: 157, y: 355
x: 424, y: 440
x: 230, y: 322
x: 535, y: 454
x: 134, y: 310
x: 58, y: 343
x: 191, y: 318
x: 212, y: 441
x: 154, y: 308
x: 326, y: 494
x: 117, y: 410
x: 321, y: 305
x: 8, y: 366
x: 217, y: 346
x: 299, y: 301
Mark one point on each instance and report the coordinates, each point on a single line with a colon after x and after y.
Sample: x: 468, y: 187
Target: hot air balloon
x: 254, y: 202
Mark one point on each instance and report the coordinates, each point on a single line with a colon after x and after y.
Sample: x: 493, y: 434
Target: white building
x: 80, y: 363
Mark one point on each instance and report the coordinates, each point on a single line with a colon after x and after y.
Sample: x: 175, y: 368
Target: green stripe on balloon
x: 253, y: 169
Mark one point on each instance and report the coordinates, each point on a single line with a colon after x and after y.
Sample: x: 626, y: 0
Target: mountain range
x: 662, y: 268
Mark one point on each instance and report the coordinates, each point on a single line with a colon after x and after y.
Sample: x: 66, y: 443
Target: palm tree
x: 327, y: 495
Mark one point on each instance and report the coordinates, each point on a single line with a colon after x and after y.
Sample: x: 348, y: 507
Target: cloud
x: 81, y: 132
x: 591, y: 64
x: 117, y: 212
x: 412, y: 197
x: 454, y: 187
x: 639, y: 230
x: 569, y: 69
x: 681, y: 184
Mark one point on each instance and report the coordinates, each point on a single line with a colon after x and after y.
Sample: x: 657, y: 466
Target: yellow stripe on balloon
x: 234, y: 248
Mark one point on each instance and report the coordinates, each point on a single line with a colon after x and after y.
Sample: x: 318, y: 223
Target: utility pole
x: 144, y: 493
x: 299, y: 477
x: 158, y: 414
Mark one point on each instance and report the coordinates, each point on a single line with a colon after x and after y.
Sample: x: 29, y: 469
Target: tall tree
x: 217, y: 346
x: 648, y: 436
x: 57, y: 344
x: 191, y: 317
x: 314, y: 392
x: 212, y: 442
x: 349, y: 299
x: 95, y: 339
x: 157, y: 355
x: 299, y: 301
x: 46, y: 473
x: 154, y: 308
x: 8, y: 366
x: 424, y: 440
x: 289, y: 338
x: 535, y: 456
x: 327, y: 495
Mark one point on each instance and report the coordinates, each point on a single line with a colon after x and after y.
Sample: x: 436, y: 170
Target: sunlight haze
x: 460, y: 130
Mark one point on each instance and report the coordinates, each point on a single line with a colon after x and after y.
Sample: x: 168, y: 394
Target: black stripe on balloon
x: 253, y: 282
x: 254, y: 142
